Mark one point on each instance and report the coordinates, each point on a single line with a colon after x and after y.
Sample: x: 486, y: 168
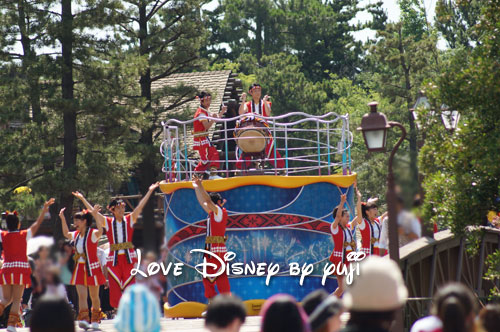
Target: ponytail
x: 453, y: 304
x: 453, y: 315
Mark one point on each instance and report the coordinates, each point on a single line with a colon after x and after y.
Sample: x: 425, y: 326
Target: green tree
x: 414, y: 18
x: 246, y: 27
x: 456, y: 19
x: 462, y: 170
x: 166, y: 37
x: 401, y: 63
x: 318, y: 32
x: 79, y: 135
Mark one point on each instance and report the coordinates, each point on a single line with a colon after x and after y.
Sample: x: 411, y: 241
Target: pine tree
x: 167, y: 36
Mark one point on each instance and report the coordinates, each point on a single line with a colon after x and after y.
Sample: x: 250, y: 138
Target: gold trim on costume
x: 121, y: 246
x: 352, y: 244
x: 216, y: 239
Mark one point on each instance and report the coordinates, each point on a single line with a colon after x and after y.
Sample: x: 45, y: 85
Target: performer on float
x: 119, y: 230
x: 343, y: 239
x: 87, y: 274
x: 15, y: 274
x: 260, y: 107
x: 215, y: 241
x: 209, y: 157
x: 370, y: 227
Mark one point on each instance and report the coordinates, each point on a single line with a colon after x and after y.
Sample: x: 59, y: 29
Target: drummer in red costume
x: 87, y: 273
x: 15, y: 274
x: 209, y: 157
x: 370, y: 227
x: 215, y: 241
x: 343, y: 239
x: 119, y: 230
x: 262, y: 108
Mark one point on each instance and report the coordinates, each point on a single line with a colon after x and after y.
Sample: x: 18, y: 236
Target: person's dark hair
x: 489, y: 317
x: 320, y: 307
x: 52, y: 314
x: 114, y: 202
x: 453, y: 304
x: 253, y: 86
x: 84, y: 215
x: 215, y: 197
x: 223, y: 310
x: 12, y: 222
x: 282, y: 314
x: 335, y: 212
x: 203, y: 94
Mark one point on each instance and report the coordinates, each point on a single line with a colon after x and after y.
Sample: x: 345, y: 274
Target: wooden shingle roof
x: 222, y: 85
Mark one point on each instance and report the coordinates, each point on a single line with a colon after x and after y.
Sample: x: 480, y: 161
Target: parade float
x: 278, y: 218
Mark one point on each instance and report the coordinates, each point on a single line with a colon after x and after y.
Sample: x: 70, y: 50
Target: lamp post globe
x: 374, y: 127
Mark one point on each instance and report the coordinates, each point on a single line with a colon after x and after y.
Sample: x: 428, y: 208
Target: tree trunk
x: 258, y: 38
x: 69, y: 113
x: 28, y: 61
x: 413, y: 132
x: 147, y: 171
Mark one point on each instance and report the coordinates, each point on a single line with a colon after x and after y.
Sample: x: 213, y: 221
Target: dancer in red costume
x: 209, y: 157
x: 260, y: 107
x: 343, y: 239
x: 370, y: 227
x: 119, y: 230
x: 16, y: 272
x: 87, y: 273
x: 216, y: 240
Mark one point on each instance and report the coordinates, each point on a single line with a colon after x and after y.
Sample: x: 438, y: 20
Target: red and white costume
x: 209, y: 157
x: 122, y: 256
x: 343, y: 244
x: 370, y: 236
x: 15, y: 269
x: 216, y: 243
x: 87, y: 270
x: 259, y: 109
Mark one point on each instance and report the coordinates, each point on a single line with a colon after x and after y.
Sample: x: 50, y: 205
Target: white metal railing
x: 308, y: 144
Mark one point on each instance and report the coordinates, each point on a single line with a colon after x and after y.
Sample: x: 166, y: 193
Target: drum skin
x: 252, y: 134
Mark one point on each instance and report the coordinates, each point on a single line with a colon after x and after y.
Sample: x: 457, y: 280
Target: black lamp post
x: 374, y: 127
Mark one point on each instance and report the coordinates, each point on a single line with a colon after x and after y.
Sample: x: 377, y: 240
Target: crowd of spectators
x: 373, y: 301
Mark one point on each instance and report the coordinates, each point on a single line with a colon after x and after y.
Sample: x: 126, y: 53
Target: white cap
x: 379, y: 286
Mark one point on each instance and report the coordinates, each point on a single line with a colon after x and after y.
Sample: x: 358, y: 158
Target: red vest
x: 127, y: 233
x: 367, y: 236
x: 90, y: 248
x: 217, y: 229
x: 343, y: 235
x: 14, y: 250
x: 198, y: 126
x: 257, y: 108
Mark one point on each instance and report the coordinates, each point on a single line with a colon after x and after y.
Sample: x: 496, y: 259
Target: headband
x: 11, y: 212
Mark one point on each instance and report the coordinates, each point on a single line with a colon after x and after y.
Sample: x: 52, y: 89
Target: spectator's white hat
x: 379, y: 286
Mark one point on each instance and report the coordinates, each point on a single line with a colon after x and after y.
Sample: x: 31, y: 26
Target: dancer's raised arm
x: 99, y: 218
x: 340, y: 209
x: 64, y: 225
x: 38, y: 222
x: 203, y: 198
x: 359, y: 214
x: 138, y: 209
